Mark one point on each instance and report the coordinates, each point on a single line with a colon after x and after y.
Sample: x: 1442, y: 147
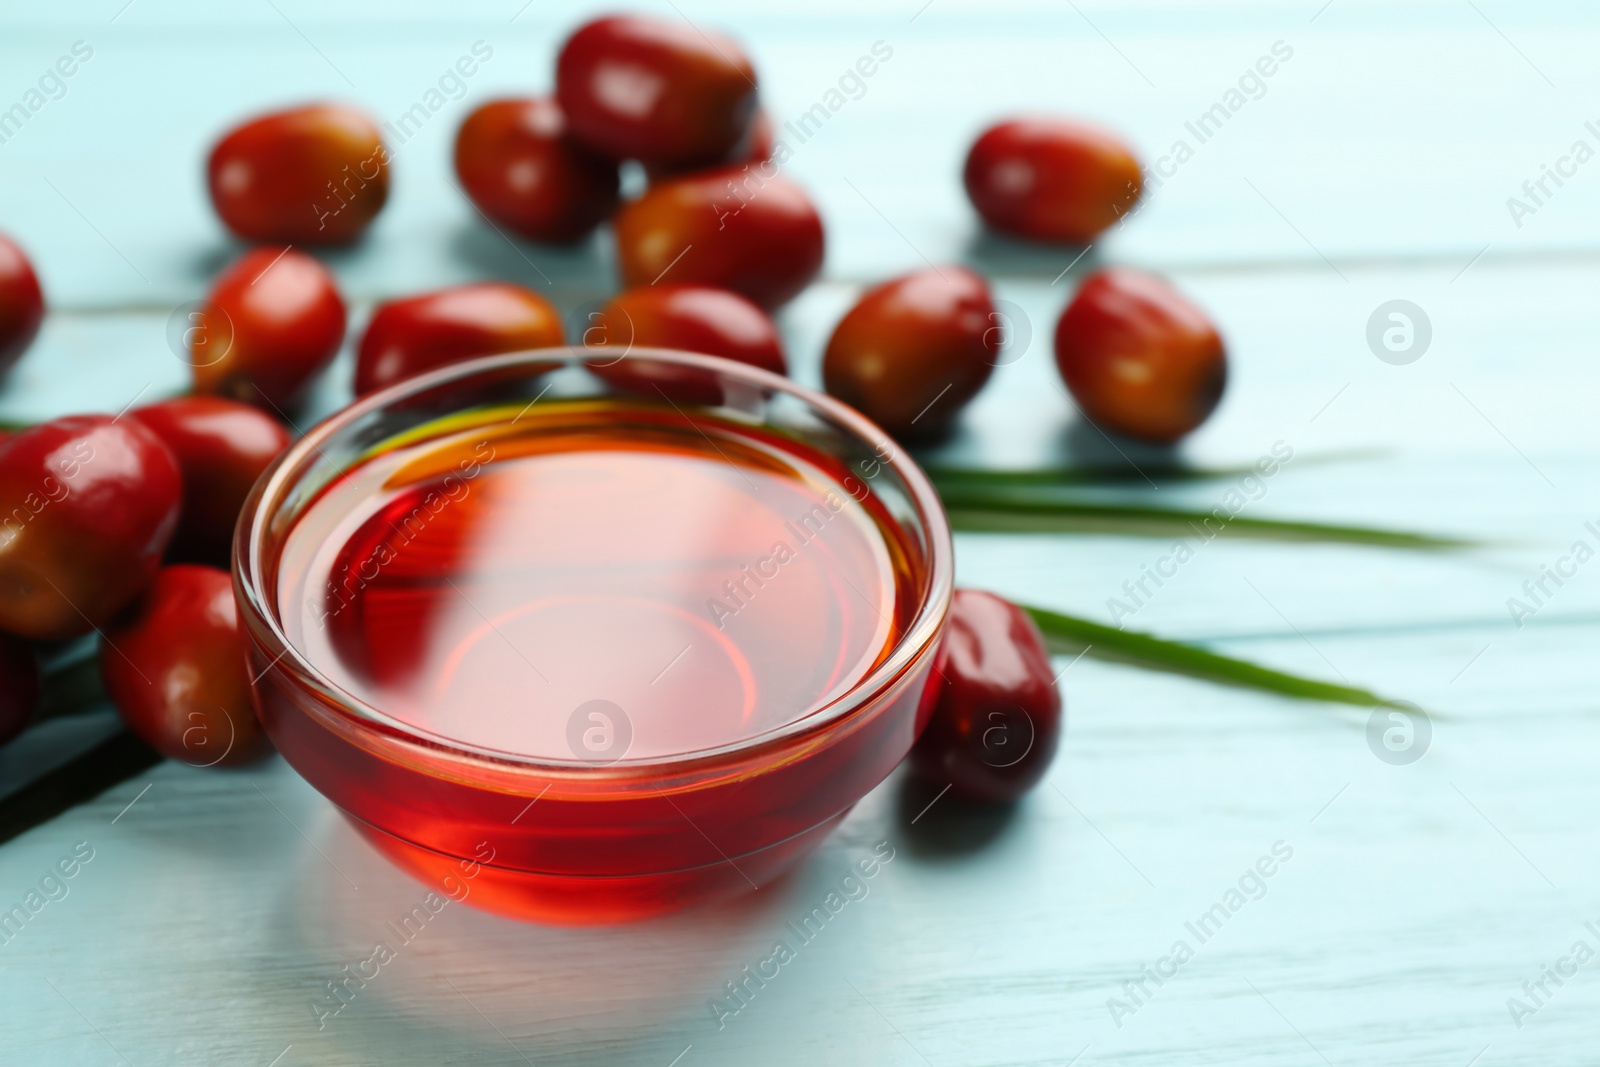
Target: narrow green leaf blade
x: 71, y: 688
x: 1045, y: 477
x: 1070, y: 634
x: 1162, y: 471
x: 1002, y: 512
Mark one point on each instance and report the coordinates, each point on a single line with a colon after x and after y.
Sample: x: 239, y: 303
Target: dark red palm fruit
x: 914, y: 350
x: 274, y: 319
x: 996, y: 723
x: 756, y: 147
x: 222, y: 446
x: 174, y: 666
x: 655, y: 90
x: 1139, y: 357
x: 688, y: 318
x: 309, y: 175
x: 740, y: 228
x: 760, y: 142
x: 19, y: 686
x: 1052, y: 179
x: 520, y: 167
x: 422, y: 333
x: 88, y: 504
x: 21, y: 303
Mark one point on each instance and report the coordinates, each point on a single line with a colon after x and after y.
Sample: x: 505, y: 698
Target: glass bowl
x: 576, y: 837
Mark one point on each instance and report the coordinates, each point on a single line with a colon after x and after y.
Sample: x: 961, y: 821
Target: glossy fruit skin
x: 273, y: 320
x: 314, y: 175
x: 655, y: 90
x: 755, y: 147
x: 915, y: 349
x: 736, y: 227
x: 996, y: 723
x: 222, y: 446
x: 1052, y: 179
x: 422, y: 333
x: 88, y: 504
x: 175, y: 667
x: 518, y: 164
x: 1139, y: 357
x: 21, y: 303
x: 689, y: 318
x: 19, y: 686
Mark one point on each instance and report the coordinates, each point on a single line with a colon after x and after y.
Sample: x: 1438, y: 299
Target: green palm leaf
x: 1148, y: 473
x: 1067, y: 634
x: 990, y: 511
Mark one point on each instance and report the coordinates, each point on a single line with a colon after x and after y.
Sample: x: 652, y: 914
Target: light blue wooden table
x: 1415, y: 900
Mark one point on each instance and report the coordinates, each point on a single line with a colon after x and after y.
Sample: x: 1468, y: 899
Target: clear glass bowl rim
x: 925, y: 627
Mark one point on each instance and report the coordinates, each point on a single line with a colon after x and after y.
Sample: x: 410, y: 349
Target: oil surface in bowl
x: 596, y: 580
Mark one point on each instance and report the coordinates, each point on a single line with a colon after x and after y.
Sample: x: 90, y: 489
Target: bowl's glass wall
x: 569, y: 840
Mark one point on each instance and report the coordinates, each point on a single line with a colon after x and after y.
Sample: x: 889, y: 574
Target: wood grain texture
x: 1418, y: 898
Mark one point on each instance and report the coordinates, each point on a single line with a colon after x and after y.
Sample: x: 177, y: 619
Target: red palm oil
x: 710, y: 587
